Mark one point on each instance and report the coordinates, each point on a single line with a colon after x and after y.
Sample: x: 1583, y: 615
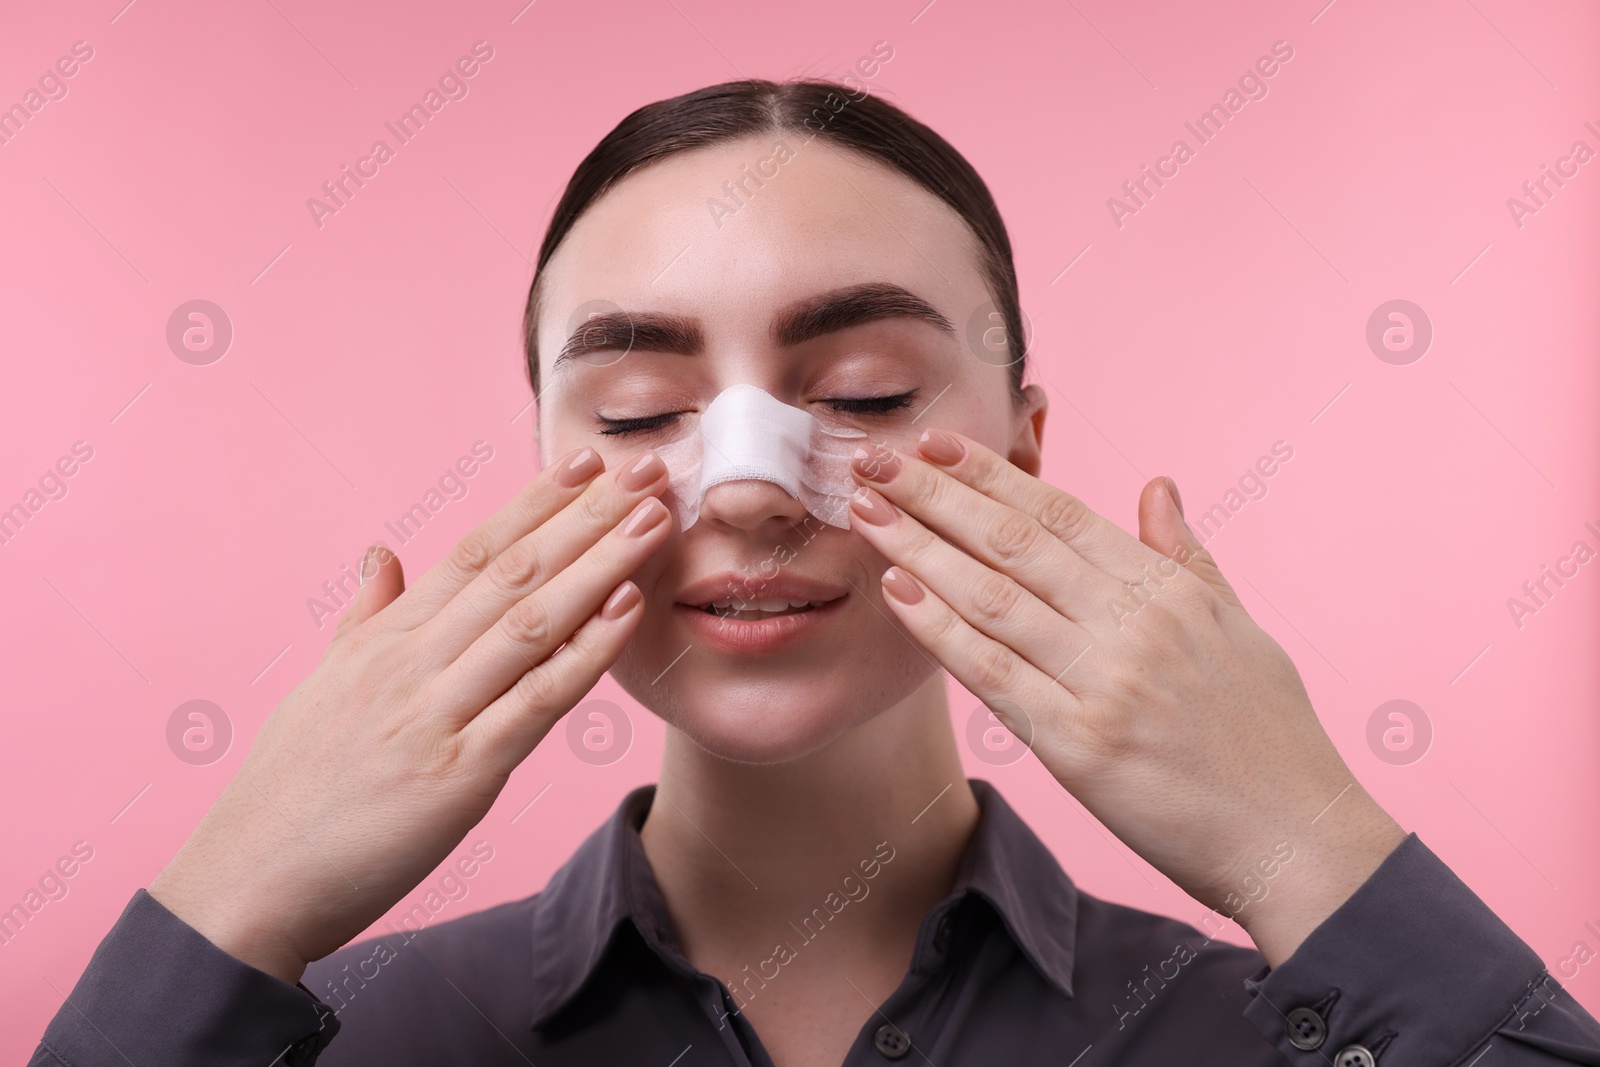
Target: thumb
x: 382, y: 580
x: 1162, y: 527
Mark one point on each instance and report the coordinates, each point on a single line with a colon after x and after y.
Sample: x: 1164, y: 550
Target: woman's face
x: 670, y: 242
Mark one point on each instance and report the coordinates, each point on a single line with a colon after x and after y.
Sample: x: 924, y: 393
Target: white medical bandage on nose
x: 746, y: 432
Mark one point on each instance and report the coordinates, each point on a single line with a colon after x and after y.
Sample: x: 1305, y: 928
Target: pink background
x: 1229, y: 313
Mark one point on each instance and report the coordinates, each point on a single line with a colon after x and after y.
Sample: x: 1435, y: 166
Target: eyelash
x: 866, y: 405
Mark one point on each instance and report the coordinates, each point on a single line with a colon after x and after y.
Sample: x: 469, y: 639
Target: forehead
x: 731, y: 232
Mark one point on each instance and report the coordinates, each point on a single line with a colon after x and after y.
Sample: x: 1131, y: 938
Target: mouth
x: 741, y: 613
x: 735, y: 592
x: 751, y: 610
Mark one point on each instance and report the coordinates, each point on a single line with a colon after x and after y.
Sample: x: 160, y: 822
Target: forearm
x: 158, y: 992
x: 1414, y: 968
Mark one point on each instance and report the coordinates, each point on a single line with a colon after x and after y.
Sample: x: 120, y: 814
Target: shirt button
x: 302, y: 1051
x: 941, y: 934
x: 1355, y: 1056
x: 1307, y: 1029
x: 891, y: 1041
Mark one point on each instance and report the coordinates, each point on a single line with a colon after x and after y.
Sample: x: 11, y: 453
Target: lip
x: 757, y: 636
x: 742, y: 586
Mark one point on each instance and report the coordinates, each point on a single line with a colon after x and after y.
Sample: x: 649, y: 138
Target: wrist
x: 258, y: 944
x: 1334, y: 857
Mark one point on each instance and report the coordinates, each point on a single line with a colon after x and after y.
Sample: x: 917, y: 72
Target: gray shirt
x: 1015, y: 966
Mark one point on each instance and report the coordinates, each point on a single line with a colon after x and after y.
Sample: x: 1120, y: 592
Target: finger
x: 547, y: 493
x: 1045, y: 715
x: 382, y: 580
x: 1163, y: 528
x: 527, y: 634
x: 1097, y: 540
x: 993, y: 603
x: 1006, y: 535
x: 540, y: 555
x: 508, y: 729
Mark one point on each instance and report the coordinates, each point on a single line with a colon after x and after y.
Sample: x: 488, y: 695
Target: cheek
x: 985, y: 422
x: 966, y: 405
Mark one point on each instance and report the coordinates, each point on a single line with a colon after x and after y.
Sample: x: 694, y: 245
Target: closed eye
x: 865, y: 405
x: 873, y: 405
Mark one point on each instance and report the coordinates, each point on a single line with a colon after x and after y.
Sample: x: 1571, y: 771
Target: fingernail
x: 577, y: 468
x: 649, y: 514
x: 872, y: 506
x: 621, y: 602
x: 645, y: 470
x: 878, y: 464
x: 900, y: 585
x: 939, y: 447
x: 369, y: 569
x: 1172, y: 487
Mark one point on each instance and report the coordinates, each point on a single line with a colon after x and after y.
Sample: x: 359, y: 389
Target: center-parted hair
x: 807, y: 109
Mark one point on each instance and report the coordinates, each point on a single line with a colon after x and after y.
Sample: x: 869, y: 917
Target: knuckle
x: 918, y: 547
x: 1064, y: 515
x: 1165, y: 638
x: 1015, y: 536
x: 993, y: 667
x: 528, y: 624
x: 1154, y: 622
x: 1167, y: 585
x: 986, y: 475
x: 595, y: 510
x: 362, y: 654
x: 1189, y: 590
x: 535, y: 689
x: 439, y: 761
x: 996, y: 597
x: 931, y: 495
x: 946, y: 628
x: 1106, y: 737
x: 1180, y: 587
x: 472, y: 554
x: 520, y: 567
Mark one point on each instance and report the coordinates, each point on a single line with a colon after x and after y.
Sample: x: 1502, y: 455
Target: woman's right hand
x: 376, y: 766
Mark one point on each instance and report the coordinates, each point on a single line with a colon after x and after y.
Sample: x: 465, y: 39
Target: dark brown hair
x: 854, y: 120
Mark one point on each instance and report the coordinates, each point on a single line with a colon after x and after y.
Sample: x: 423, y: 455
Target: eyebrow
x: 815, y: 316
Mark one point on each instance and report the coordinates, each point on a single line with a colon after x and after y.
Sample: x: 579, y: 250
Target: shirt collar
x: 608, y: 880
x: 1009, y: 867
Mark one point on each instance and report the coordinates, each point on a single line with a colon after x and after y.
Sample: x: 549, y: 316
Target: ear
x: 1027, y: 445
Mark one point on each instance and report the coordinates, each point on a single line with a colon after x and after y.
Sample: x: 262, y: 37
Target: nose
x: 750, y: 504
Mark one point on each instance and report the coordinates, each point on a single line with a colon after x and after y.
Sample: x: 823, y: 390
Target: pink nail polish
x: 644, y: 471
x: 621, y: 602
x: 649, y: 513
x: 900, y: 585
x: 578, y: 468
x: 872, y: 507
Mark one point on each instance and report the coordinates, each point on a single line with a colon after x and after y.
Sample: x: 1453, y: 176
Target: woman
x: 822, y: 884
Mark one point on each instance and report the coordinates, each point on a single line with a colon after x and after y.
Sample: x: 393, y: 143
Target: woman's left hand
x: 1133, y: 672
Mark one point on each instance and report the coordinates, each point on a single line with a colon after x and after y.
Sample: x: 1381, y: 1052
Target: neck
x: 743, y: 853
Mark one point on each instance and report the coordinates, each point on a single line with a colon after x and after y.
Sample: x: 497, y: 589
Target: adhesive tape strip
x: 747, y: 433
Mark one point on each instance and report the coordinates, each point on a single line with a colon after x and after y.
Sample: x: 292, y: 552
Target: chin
x: 773, y: 710
x: 760, y: 733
